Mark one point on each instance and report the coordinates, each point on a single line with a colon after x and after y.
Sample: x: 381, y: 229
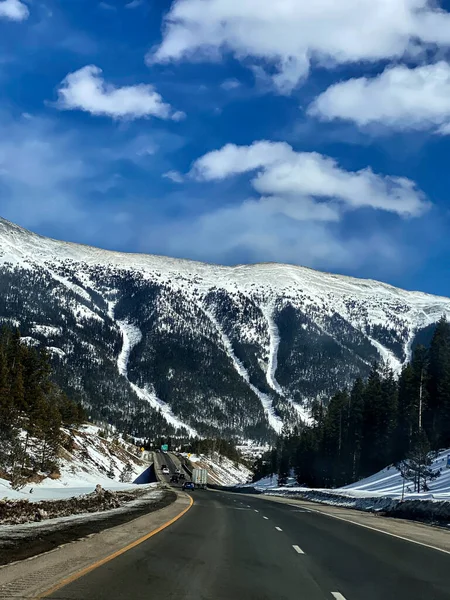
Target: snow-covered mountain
x: 155, y: 344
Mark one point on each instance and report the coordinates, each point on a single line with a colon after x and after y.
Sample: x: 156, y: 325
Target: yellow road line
x: 114, y: 555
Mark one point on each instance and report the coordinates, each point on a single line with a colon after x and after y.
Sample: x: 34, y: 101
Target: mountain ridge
x: 4, y: 223
x: 239, y: 350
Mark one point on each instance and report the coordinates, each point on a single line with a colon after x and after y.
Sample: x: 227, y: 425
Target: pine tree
x: 127, y: 473
x: 355, y: 427
x: 112, y: 469
x: 416, y: 467
x: 412, y: 401
x: 437, y: 416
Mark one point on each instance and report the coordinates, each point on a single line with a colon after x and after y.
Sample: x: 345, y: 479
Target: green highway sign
x: 164, y: 447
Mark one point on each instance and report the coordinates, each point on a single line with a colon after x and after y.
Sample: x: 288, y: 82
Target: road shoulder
x: 418, y: 533
x: 33, y: 577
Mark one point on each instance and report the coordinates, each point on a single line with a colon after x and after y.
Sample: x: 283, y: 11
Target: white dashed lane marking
x: 278, y: 528
x: 267, y: 518
x: 300, y: 551
x: 337, y: 595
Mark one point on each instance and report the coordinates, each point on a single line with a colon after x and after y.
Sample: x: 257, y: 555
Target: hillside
x: 88, y: 459
x: 158, y: 345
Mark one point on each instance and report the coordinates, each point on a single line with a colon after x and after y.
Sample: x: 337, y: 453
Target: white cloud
x: 13, y: 10
x: 134, y: 4
x: 230, y: 84
x: 174, y: 176
x: 253, y: 232
x: 86, y: 90
x: 308, y: 185
x: 400, y: 98
x: 106, y: 6
x: 289, y: 34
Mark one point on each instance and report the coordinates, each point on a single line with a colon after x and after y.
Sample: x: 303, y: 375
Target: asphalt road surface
x: 231, y: 547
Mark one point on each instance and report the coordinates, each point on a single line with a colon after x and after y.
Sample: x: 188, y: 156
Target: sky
x: 233, y: 131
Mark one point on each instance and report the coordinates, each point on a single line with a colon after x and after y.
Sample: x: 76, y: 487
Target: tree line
x: 378, y: 422
x: 32, y: 410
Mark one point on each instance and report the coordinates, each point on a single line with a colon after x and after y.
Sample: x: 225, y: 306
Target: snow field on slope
x: 221, y: 470
x: 82, y: 469
x: 387, y: 483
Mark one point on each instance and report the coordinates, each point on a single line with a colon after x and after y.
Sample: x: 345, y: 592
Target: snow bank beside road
x: 387, y: 483
x: 381, y: 492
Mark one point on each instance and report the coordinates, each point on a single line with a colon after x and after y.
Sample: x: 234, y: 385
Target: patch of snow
x: 388, y: 356
x: 165, y: 410
x: 30, y: 341
x: 47, y: 330
x: 274, y: 342
x: 131, y: 336
x: 221, y: 470
x: 57, y: 351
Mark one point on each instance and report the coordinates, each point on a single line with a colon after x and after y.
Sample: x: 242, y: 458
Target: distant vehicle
x: 188, y: 485
x: 175, y: 478
x: 177, y: 471
x: 182, y: 476
x: 165, y: 471
x: 200, y: 478
x: 163, y: 466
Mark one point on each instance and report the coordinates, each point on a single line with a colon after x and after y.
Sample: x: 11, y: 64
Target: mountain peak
x: 156, y: 343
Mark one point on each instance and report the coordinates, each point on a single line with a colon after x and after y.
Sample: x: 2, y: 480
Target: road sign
x: 164, y: 447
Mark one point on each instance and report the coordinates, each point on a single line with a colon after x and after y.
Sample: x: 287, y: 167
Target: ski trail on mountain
x: 131, y: 336
x: 387, y: 355
x: 274, y: 342
x: 274, y: 421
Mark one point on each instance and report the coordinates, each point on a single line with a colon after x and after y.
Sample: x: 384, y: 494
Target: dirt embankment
x: 17, y: 512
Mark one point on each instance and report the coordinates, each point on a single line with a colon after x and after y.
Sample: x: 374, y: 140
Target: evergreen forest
x: 381, y: 421
x: 33, y: 410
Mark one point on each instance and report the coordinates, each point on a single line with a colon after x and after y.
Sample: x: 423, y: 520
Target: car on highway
x: 188, y: 485
x: 165, y: 470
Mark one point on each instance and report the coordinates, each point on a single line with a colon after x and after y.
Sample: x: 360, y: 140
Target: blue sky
x: 233, y: 131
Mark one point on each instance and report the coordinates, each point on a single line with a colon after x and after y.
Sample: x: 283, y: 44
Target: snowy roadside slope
x: 389, y: 482
x: 378, y: 490
x: 221, y: 470
x: 81, y: 469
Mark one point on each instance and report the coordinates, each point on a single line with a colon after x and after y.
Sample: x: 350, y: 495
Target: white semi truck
x: 200, y: 478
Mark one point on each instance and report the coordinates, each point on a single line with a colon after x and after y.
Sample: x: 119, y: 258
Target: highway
x: 230, y: 546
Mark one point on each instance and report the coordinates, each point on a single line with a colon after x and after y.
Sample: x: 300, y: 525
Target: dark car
x: 188, y: 485
x: 182, y: 476
x: 174, y: 478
